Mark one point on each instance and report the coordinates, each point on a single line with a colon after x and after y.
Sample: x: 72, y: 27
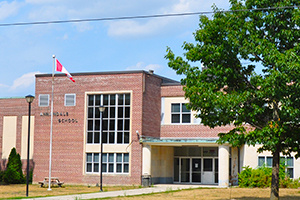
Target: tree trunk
x: 275, y: 176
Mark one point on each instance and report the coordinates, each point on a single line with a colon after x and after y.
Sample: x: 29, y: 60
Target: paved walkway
x: 155, y: 189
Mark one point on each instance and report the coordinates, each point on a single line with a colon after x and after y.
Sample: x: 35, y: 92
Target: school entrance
x: 197, y: 165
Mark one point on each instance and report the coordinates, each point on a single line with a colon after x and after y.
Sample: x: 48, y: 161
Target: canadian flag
x: 61, y: 68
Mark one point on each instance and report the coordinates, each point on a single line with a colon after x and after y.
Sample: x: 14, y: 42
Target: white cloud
x: 24, y: 81
x: 7, y: 9
x: 3, y: 86
x: 143, y: 66
x: 152, y: 26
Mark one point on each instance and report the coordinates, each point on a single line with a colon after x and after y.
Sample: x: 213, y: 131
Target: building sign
x: 63, y: 117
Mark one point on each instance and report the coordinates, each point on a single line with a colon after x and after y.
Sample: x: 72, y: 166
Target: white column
x: 223, y: 166
x: 146, y: 167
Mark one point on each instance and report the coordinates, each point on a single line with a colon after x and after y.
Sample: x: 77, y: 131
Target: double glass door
x: 196, y: 170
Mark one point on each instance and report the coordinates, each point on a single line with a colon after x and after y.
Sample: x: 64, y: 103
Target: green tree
x: 264, y: 108
x: 14, y: 173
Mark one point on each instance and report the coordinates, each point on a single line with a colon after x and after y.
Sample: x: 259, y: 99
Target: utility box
x: 146, y: 180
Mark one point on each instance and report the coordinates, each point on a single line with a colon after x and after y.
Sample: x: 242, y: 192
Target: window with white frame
x: 180, y: 113
x: 44, y: 100
x: 116, y: 118
x: 288, y: 162
x: 70, y: 99
x: 117, y: 163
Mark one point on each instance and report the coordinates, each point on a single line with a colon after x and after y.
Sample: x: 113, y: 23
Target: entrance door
x: 185, y: 170
x: 196, y: 170
x: 208, y: 173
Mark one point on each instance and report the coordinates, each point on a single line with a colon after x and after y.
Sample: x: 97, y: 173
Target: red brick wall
x: 192, y: 131
x: 152, y: 106
x: 68, y: 138
x: 172, y: 91
x: 13, y: 107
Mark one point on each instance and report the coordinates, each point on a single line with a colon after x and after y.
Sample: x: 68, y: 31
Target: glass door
x: 208, y: 173
x: 196, y: 170
x: 185, y: 170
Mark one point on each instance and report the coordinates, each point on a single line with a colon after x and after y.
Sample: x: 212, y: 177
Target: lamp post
x: 29, y: 99
x: 101, y: 109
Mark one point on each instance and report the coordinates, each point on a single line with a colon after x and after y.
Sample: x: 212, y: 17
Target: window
x: 288, y: 162
x: 111, y: 163
x: 44, y: 100
x: 70, y: 99
x: 116, y: 119
x: 92, y: 162
x: 180, y: 113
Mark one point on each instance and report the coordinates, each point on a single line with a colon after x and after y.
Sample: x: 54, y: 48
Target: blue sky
x: 119, y: 45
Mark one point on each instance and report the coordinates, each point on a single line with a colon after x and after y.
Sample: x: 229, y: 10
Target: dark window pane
x: 120, y: 124
x: 96, y: 167
x: 105, y: 124
x: 90, y: 137
x: 119, y: 168
x: 105, y: 99
x: 112, y: 99
x: 207, y: 165
x: 120, y: 112
x: 105, y: 113
x: 97, y: 124
x: 104, y: 167
x: 119, y: 157
x: 89, y: 157
x: 112, y: 113
x: 289, y: 161
x: 112, y: 125
x: 97, y: 137
x: 126, y: 168
x: 110, y: 157
x: 119, y: 137
x: 175, y: 107
x: 96, y: 157
x: 261, y: 161
x: 127, y: 112
x: 104, y: 157
x: 121, y: 99
x: 111, y: 168
x: 104, y: 137
x: 126, y: 138
x: 290, y: 172
x: 90, y: 125
x: 175, y: 118
x: 184, y: 108
x: 186, y: 118
x: 97, y: 112
x: 269, y: 161
x: 90, y: 112
x: 127, y: 99
x: 126, y: 157
x: 89, y: 167
x: 111, y: 137
x: 98, y: 100
x: 126, y: 125
x: 91, y: 100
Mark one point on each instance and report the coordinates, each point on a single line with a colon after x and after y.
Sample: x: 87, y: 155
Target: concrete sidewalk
x: 155, y: 189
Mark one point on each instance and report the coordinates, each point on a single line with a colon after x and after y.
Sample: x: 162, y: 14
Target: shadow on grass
x: 259, y: 198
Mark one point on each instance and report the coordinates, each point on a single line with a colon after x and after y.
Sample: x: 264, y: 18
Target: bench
x: 54, y: 182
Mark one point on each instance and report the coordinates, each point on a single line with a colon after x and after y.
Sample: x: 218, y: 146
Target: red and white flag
x: 61, y: 68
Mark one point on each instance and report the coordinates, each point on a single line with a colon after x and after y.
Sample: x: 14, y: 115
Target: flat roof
x: 164, y: 79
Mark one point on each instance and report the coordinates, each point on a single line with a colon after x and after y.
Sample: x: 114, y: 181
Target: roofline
x: 165, y: 79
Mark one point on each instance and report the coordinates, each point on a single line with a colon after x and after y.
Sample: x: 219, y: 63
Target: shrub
x: 14, y: 173
x: 262, y: 177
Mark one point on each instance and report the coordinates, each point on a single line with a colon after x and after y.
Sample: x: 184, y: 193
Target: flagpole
x: 51, y: 126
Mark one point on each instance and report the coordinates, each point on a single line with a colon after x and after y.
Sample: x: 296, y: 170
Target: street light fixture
x: 29, y: 99
x: 101, y: 109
